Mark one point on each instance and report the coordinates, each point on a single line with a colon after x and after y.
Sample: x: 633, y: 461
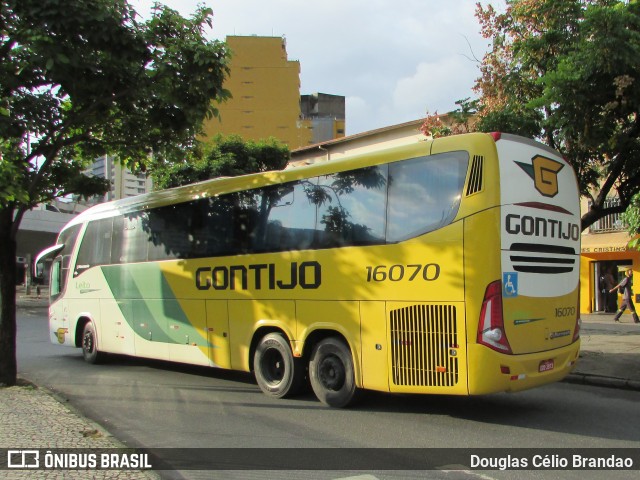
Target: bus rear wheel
x: 277, y: 372
x: 90, y: 344
x: 332, y: 374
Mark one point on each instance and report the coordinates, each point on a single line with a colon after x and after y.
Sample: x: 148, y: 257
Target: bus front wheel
x: 277, y: 372
x: 332, y: 374
x: 90, y: 344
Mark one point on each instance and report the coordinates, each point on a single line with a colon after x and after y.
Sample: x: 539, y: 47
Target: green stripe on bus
x: 148, y: 304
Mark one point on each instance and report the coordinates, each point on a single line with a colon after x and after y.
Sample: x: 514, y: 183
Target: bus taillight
x: 576, y: 331
x: 491, y: 326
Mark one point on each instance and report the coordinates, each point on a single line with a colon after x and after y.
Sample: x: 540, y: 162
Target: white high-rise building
x: 124, y: 183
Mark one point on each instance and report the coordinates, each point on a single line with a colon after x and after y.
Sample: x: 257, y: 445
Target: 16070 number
x: 396, y: 273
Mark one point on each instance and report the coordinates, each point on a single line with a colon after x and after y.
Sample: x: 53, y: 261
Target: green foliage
x: 80, y: 79
x: 228, y: 156
x: 567, y: 72
x: 632, y: 219
x: 453, y: 123
x: 511, y: 120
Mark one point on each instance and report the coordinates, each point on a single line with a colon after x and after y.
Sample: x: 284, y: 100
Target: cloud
x: 357, y: 106
x: 391, y: 60
x: 436, y: 86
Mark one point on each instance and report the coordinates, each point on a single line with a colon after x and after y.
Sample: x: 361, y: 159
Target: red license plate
x: 545, y: 366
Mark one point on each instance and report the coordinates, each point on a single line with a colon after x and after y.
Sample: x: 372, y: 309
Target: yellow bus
x: 449, y: 266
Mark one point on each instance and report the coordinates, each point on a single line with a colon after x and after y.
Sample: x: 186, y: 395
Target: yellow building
x: 604, y: 250
x: 265, y: 89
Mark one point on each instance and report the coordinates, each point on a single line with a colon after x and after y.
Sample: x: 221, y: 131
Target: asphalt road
x: 156, y: 404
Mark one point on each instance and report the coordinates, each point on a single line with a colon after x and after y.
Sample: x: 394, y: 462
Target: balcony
x: 610, y: 223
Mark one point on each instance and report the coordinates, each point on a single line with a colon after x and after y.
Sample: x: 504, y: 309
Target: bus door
x: 218, y: 333
x: 58, y: 274
x: 59, y: 310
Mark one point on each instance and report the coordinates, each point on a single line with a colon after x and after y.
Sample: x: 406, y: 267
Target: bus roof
x: 223, y: 185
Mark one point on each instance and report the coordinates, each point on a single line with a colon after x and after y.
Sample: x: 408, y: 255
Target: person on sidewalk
x: 627, y: 302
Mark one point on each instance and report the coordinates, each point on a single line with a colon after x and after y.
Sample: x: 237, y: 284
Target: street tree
x: 566, y: 72
x: 222, y: 156
x: 83, y: 79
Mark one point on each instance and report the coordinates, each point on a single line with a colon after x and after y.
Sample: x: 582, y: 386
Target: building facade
x: 38, y: 230
x: 604, y: 252
x: 323, y: 115
x: 123, y: 182
x: 265, y: 89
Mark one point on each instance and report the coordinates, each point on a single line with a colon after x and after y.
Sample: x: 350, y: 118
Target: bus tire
x: 90, y: 344
x: 332, y: 373
x: 277, y: 372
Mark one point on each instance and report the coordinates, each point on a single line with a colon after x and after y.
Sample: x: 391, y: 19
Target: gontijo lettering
x: 541, y: 227
x: 306, y: 275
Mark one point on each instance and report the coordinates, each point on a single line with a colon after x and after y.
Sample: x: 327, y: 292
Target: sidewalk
x: 609, y: 352
x: 33, y: 417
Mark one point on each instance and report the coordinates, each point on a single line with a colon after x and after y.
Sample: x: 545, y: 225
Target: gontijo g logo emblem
x: 544, y: 173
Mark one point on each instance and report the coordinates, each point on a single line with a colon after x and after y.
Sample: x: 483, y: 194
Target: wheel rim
x: 331, y: 373
x: 88, y: 342
x: 273, y: 367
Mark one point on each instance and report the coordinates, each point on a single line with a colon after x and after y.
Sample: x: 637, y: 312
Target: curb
x: 52, y: 422
x: 66, y: 404
x: 601, y: 381
x: 31, y: 302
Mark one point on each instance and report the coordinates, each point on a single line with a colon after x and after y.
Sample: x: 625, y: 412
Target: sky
x: 393, y: 61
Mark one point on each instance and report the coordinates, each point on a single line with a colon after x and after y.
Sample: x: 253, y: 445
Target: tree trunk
x: 8, y: 364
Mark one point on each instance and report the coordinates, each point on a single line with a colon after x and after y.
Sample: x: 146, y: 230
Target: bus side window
x: 352, y: 212
x: 130, y: 238
x: 56, y: 283
x: 247, y: 220
x: 212, y: 230
x: 424, y: 194
x: 60, y: 266
x: 95, y: 248
x: 59, y: 273
x: 169, y: 232
x: 116, y: 241
x: 289, y: 218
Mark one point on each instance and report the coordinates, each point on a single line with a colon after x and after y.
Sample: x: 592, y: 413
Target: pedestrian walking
x: 627, y: 302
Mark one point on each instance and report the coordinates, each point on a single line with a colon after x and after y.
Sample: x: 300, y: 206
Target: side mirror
x: 38, y: 266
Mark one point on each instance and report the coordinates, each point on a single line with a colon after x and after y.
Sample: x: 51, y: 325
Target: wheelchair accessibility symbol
x: 510, y: 284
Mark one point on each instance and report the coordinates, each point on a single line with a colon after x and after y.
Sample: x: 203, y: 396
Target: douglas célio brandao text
x: 551, y: 462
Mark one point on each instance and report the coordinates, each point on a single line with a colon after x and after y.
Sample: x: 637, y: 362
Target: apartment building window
x: 610, y: 223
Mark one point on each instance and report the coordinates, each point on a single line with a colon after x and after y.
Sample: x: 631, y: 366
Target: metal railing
x: 610, y: 223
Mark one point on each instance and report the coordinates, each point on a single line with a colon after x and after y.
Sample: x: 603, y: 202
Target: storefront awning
x: 595, y: 244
